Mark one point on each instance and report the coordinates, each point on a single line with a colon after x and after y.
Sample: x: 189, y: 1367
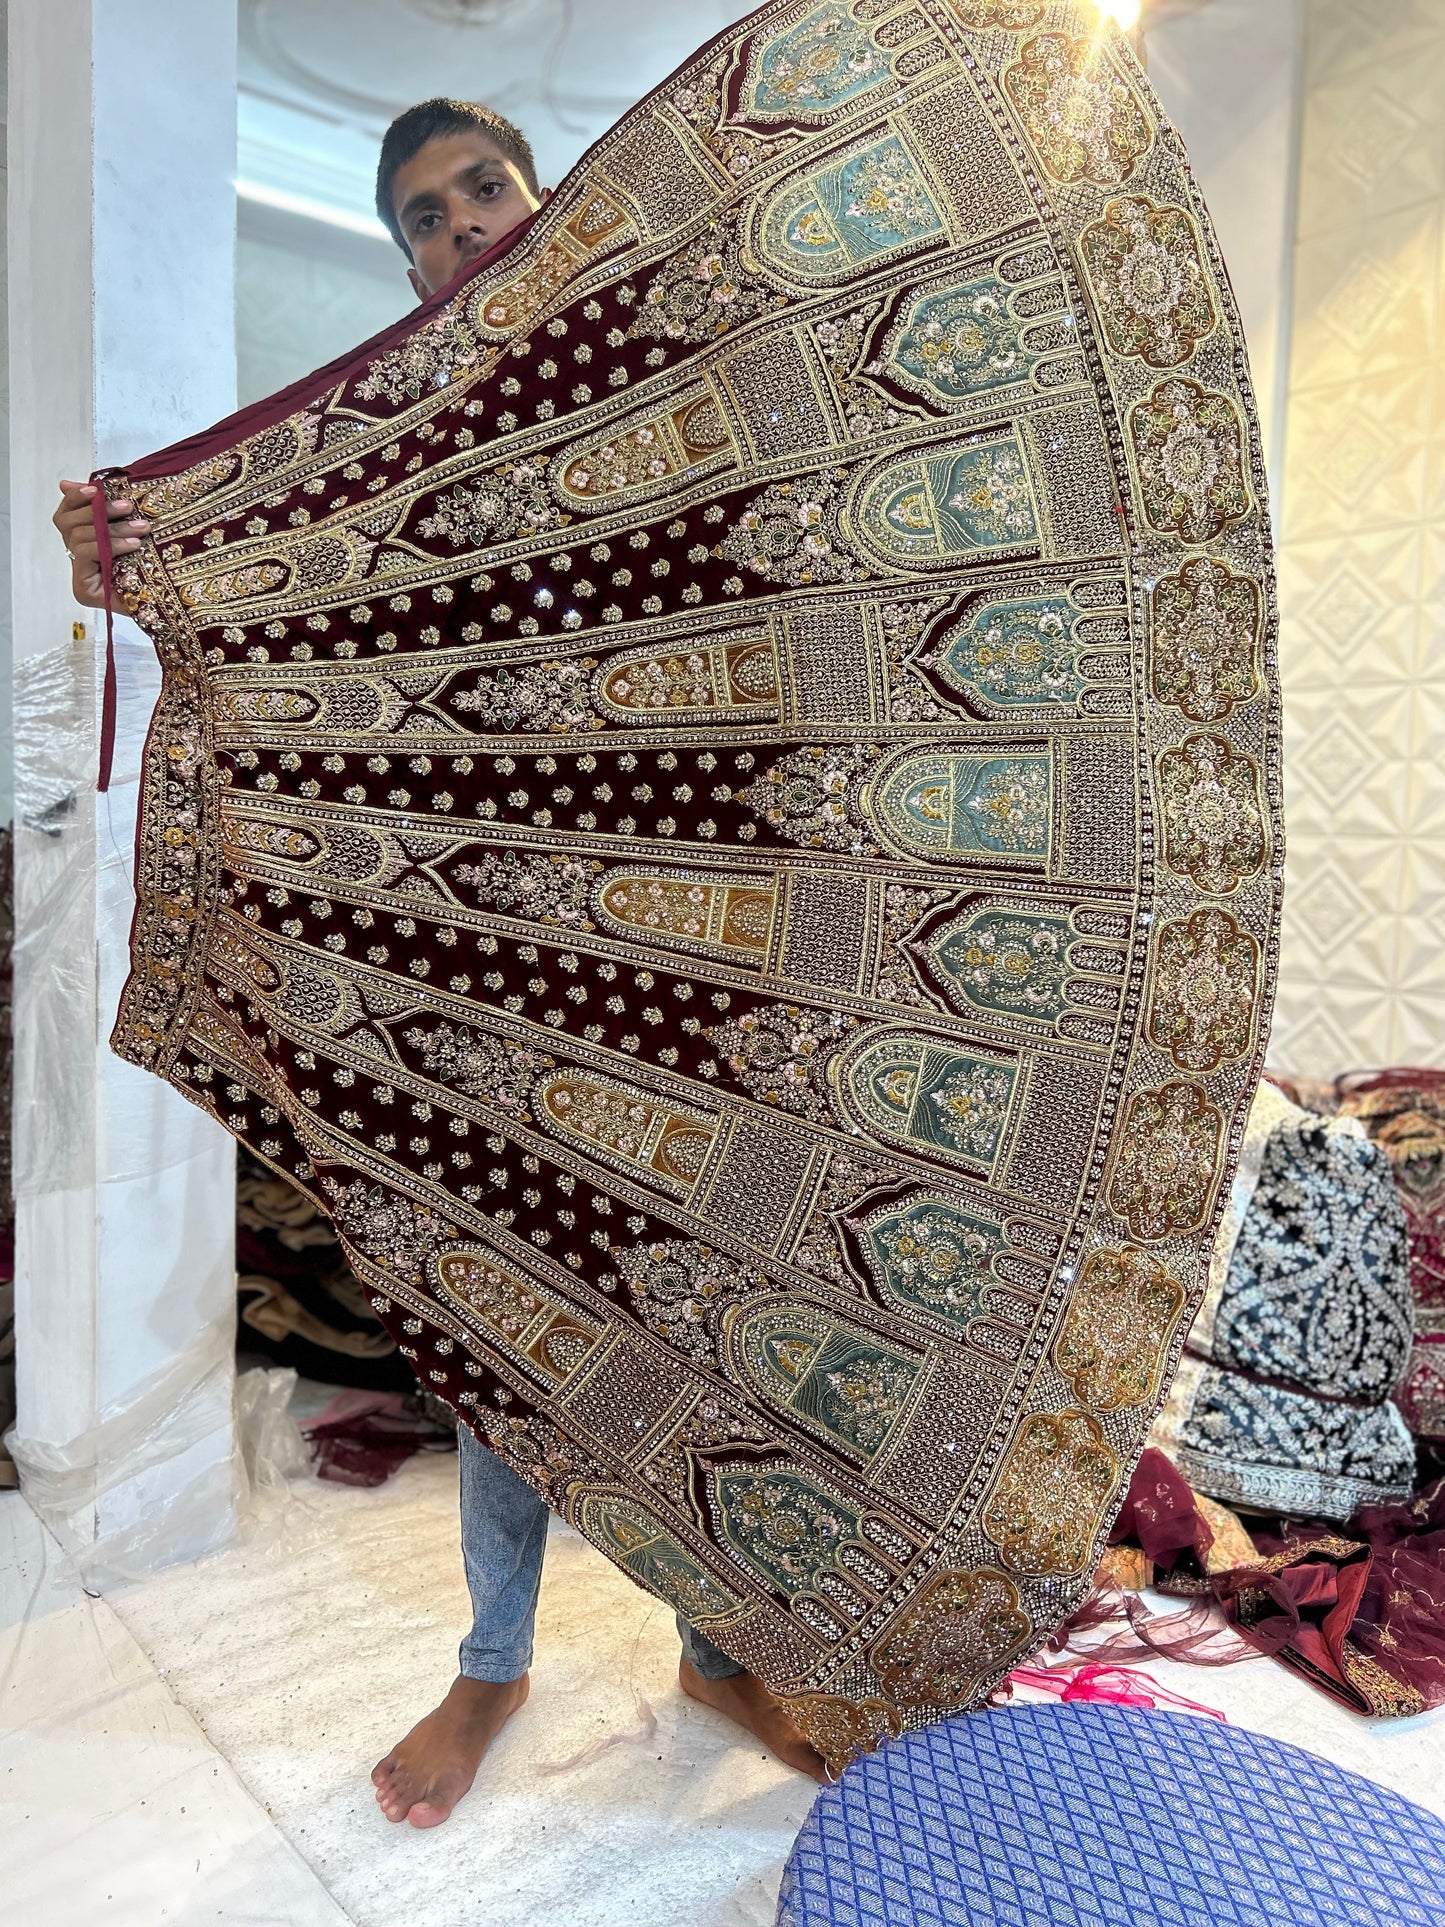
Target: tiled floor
x: 231, y: 1783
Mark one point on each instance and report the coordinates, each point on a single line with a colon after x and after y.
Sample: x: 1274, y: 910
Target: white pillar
x: 121, y: 307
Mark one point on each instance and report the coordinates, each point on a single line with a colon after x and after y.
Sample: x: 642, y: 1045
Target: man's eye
x: 424, y: 222
x: 489, y: 190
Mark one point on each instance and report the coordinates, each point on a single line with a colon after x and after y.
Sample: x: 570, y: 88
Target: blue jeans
x: 504, y: 1535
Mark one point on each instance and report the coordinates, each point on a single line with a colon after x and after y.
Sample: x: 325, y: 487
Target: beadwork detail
x: 1148, y: 275
x: 714, y: 801
x: 962, y: 1630
x: 1082, y: 115
x: 1164, y: 1175
x: 1190, y: 446
x: 1115, y: 1340
x: 1059, y: 1476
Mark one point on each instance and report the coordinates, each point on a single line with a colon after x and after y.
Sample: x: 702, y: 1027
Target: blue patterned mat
x: 1092, y: 1816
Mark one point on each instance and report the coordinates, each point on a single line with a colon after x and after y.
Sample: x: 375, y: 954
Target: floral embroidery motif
x: 635, y: 461
x: 962, y: 1629
x: 780, y: 1053
x: 832, y: 1377
x: 809, y: 797
x: 1013, y: 965
x: 1048, y: 1506
x: 825, y: 61
x: 929, y: 1256
x: 550, y: 696
x: 1168, y: 1156
x: 544, y: 889
x: 1205, y: 633
x: 1190, y: 446
x: 510, y: 501
x: 524, y: 1320
x: 681, y: 1288
x: 729, y: 918
x: 784, y: 1525
x: 1144, y: 262
x: 1116, y: 1337
x: 740, y: 675
x: 1016, y: 653
x: 938, y: 807
x: 439, y: 353
x: 790, y: 536
x: 1083, y: 117
x: 961, y: 342
x: 701, y: 293
x: 1206, y: 988
x: 870, y: 204
x: 927, y: 513
x: 399, y: 1235
x: 925, y: 1096
x: 635, y: 1538
x: 628, y: 1127
x: 478, y: 1065
x: 1214, y: 830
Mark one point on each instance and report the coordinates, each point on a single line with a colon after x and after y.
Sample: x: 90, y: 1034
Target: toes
x: 383, y: 1770
x: 428, y: 1813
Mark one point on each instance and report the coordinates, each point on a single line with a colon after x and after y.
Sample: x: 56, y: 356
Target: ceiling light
x: 311, y: 210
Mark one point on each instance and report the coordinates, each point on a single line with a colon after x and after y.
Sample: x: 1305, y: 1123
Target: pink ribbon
x: 1105, y: 1686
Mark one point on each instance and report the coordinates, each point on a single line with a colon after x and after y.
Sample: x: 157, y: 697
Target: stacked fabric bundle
x: 1283, y: 1398
x: 1308, y: 1414
x: 1404, y: 1113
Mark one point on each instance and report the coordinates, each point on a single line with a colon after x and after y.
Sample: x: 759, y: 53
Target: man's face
x: 454, y: 200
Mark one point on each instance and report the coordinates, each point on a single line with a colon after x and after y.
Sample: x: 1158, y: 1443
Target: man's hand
x: 74, y: 519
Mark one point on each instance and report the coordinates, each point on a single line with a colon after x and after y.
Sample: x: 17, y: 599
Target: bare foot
x: 422, y: 1779
x: 744, y: 1698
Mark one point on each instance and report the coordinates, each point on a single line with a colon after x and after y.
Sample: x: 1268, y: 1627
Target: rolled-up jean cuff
x: 497, y: 1669
x: 705, y: 1658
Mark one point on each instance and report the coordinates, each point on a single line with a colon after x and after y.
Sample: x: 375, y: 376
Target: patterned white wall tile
x: 1362, y: 562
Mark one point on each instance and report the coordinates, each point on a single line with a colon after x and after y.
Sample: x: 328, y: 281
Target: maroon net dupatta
x: 715, y: 804
x: 1358, y: 1613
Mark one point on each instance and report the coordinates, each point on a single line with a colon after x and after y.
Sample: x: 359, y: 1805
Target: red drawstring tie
x: 100, y: 515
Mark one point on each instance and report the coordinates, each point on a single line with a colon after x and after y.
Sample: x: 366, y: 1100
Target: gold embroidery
x: 1048, y: 1507
x: 961, y: 1631
x: 574, y: 846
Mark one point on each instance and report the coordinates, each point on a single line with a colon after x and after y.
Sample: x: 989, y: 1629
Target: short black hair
x: 409, y: 133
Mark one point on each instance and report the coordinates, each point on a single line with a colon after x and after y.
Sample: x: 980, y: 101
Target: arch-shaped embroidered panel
x: 715, y: 801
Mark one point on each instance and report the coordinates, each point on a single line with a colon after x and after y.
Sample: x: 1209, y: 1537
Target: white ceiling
x: 321, y: 79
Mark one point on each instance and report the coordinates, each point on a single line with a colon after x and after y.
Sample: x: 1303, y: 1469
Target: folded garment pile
x: 1284, y: 1397
x: 1294, y: 1475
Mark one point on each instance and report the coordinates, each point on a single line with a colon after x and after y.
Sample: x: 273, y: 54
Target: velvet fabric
x: 715, y: 803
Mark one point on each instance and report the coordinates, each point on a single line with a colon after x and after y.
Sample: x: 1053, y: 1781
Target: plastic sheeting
x: 244, y: 1498
x: 123, y: 1192
x: 55, y: 876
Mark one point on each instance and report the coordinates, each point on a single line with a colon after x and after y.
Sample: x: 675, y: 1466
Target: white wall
x: 305, y: 293
x: 1362, y: 549
x: 1229, y: 77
